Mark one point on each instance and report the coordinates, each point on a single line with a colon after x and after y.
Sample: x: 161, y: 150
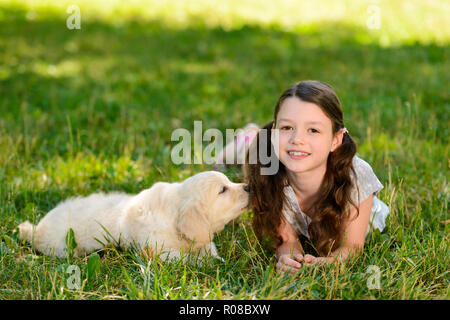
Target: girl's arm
x: 291, y: 244
x: 354, y: 235
x: 290, y: 252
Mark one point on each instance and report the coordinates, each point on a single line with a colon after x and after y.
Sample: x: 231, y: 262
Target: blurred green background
x: 93, y: 109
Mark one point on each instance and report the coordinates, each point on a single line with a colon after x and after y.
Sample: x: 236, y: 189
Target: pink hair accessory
x: 344, y: 130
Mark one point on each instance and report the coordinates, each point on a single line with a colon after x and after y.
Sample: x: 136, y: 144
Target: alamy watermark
x: 373, y: 281
x: 231, y: 150
x: 373, y: 21
x: 73, y: 282
x: 74, y: 20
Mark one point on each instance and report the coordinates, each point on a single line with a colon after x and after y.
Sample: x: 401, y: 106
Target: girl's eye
x: 286, y: 128
x: 224, y: 188
x: 313, y: 130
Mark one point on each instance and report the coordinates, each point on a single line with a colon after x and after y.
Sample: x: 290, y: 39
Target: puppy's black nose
x: 246, y: 188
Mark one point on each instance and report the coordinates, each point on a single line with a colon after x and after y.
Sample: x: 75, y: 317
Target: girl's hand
x: 289, y: 263
x: 309, y: 260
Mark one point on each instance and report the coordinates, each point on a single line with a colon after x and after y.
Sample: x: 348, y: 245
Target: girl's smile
x: 297, y: 155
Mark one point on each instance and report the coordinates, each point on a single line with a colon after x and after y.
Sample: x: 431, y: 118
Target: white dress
x: 368, y: 184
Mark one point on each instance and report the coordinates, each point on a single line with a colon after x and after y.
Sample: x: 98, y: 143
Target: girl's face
x: 305, y: 136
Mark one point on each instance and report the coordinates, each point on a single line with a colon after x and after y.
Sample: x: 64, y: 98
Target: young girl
x: 321, y: 190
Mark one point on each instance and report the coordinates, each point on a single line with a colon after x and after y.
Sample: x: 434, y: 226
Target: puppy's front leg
x: 169, y: 254
x: 210, y: 248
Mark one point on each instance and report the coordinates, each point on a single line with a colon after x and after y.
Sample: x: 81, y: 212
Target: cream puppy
x: 168, y: 218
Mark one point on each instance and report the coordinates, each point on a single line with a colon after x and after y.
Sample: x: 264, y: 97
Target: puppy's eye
x: 224, y: 188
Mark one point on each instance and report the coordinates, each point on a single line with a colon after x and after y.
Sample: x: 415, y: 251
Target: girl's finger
x: 286, y: 269
x: 284, y: 266
x: 290, y: 262
x: 299, y: 257
x: 309, y: 259
x: 279, y: 266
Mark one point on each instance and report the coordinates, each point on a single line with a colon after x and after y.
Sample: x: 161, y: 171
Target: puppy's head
x: 209, y: 200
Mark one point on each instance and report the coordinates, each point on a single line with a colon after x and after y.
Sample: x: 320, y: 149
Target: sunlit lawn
x: 93, y: 109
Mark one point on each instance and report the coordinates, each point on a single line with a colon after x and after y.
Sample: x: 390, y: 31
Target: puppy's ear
x: 135, y: 209
x: 140, y: 204
x: 194, y: 226
x: 149, y: 199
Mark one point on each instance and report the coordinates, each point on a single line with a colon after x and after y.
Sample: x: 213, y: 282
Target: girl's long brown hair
x: 329, y: 213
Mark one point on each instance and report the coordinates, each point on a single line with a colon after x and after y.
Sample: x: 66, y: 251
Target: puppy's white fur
x: 171, y: 218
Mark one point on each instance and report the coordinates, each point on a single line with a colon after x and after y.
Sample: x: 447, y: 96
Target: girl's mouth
x: 297, y: 155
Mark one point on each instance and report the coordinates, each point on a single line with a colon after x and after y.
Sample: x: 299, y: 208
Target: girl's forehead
x: 295, y: 110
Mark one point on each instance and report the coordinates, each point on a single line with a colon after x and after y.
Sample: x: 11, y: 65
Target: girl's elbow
x: 345, y: 252
x: 355, y: 250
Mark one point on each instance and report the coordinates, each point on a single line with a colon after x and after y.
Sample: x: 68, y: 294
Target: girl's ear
x: 337, y: 140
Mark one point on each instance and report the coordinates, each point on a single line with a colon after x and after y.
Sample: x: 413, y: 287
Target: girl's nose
x: 296, y: 137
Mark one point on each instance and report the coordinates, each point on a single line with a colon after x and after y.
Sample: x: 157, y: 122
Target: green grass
x: 93, y: 109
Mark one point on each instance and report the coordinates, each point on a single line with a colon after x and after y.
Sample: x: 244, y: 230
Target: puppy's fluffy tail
x: 26, y: 231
